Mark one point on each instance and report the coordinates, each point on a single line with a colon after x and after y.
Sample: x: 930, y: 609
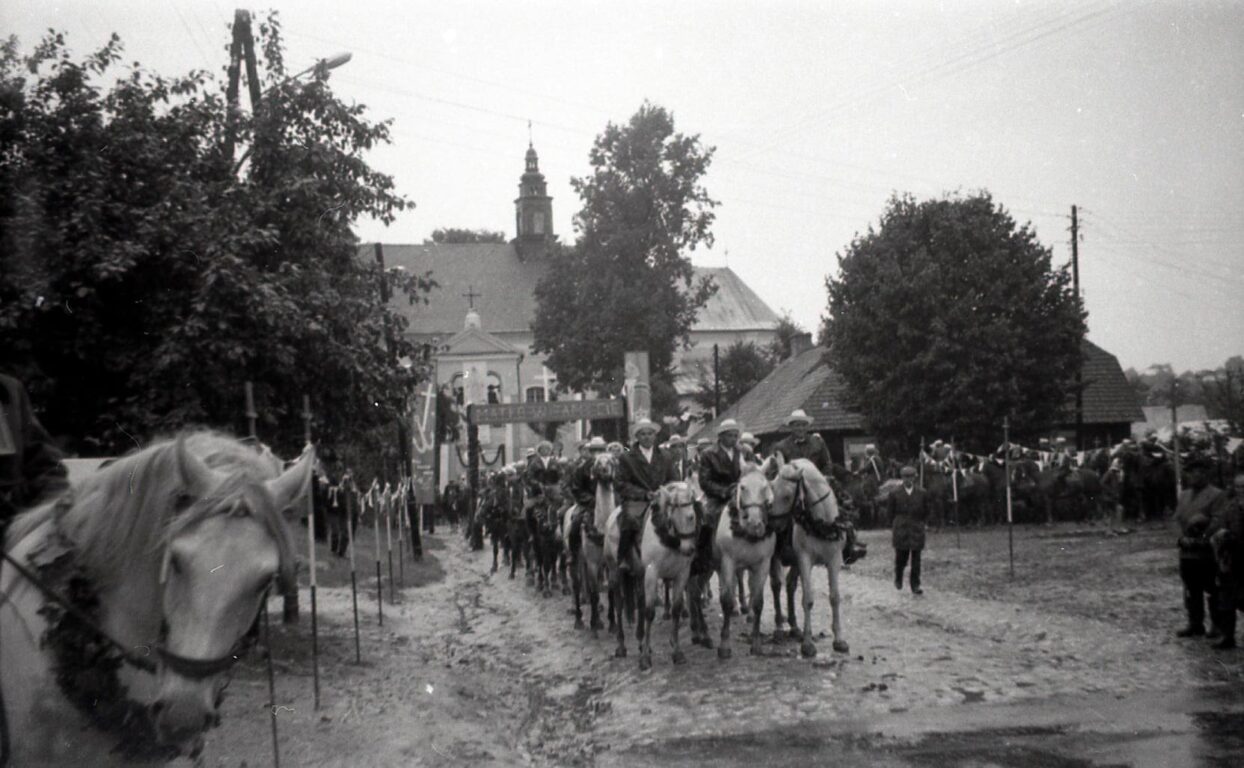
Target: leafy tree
x: 741, y: 366
x: 627, y: 284
x: 783, y: 342
x: 1223, y: 392
x: 455, y: 235
x: 949, y: 317
x: 142, y: 282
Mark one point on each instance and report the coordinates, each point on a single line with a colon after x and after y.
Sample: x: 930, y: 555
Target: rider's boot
x: 852, y: 550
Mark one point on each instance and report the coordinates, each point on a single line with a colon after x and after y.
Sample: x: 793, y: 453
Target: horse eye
x: 174, y: 563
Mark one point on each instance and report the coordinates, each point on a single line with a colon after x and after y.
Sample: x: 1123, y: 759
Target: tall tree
x: 142, y: 282
x: 627, y: 283
x: 948, y: 317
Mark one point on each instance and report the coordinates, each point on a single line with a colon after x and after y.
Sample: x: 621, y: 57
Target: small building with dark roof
x: 807, y: 380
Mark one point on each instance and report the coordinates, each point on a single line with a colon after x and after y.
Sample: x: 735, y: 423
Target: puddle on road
x: 1192, y: 727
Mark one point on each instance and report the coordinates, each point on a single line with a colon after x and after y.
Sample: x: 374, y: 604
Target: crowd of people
x: 1210, y: 517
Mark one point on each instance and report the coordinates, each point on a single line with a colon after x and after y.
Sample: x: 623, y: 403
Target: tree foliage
x: 142, y: 282
x: 741, y: 366
x: 456, y: 235
x: 949, y: 317
x: 783, y: 343
x: 627, y: 283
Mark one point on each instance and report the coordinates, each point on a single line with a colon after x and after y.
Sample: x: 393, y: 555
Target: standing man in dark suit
x: 909, y: 509
x: 642, y: 471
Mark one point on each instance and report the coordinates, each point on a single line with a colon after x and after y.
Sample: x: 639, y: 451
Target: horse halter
x: 801, y: 490
x: 674, y: 531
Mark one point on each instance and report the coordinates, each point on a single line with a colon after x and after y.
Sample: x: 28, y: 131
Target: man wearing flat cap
x: 1200, y: 509
x: 909, y: 509
x: 642, y: 471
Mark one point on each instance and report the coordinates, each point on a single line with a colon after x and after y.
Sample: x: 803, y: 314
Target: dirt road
x: 1071, y: 663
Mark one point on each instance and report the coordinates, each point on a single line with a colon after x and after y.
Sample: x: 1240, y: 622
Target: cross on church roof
x: 471, y: 296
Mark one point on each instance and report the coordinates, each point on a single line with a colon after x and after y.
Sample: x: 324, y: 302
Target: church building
x: 478, y: 319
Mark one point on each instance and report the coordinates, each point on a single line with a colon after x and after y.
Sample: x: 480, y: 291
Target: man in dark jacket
x: 680, y: 466
x: 641, y: 472
x: 1228, y: 541
x: 583, y: 490
x: 1200, y: 506
x: 909, y: 509
x: 30, y: 465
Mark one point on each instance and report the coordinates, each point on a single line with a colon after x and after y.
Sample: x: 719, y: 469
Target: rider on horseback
x: 641, y: 472
x: 802, y: 444
x: 583, y: 490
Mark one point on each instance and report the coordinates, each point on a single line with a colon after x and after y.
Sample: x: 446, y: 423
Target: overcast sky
x: 1132, y: 111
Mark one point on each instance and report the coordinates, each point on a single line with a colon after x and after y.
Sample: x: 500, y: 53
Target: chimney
x: 800, y: 343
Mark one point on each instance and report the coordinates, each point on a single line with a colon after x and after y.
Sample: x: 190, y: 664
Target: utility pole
x: 716, y: 382
x: 1075, y: 282
x: 1175, y: 433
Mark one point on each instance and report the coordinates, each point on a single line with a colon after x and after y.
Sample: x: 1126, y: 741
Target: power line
x: 952, y: 66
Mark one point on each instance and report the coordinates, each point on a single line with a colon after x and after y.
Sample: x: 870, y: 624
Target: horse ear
x: 197, y: 477
x: 292, y: 486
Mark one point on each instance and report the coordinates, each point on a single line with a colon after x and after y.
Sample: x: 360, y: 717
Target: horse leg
x: 807, y: 648
x: 680, y: 589
x: 666, y: 614
x: 616, y: 587
x: 743, y: 602
x: 648, y: 614
x: 756, y: 583
x: 792, y: 581
x: 495, y: 551
x: 835, y: 601
x: 775, y: 584
x: 577, y: 583
x: 726, y: 584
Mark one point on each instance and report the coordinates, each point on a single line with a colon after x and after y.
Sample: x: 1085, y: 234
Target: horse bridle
x: 801, y: 489
x: 194, y: 669
x: 674, y: 533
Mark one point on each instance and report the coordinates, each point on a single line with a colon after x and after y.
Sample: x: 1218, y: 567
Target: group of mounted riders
x: 544, y: 510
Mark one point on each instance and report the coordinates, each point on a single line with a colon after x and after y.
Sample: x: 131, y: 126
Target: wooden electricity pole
x: 1075, y: 282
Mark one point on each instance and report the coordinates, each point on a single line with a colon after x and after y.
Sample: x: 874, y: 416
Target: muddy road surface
x: 1071, y: 663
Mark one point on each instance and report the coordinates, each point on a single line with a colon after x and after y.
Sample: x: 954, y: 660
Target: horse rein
x: 194, y: 669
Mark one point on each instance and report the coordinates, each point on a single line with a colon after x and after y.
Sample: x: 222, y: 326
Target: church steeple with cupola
x: 533, y: 210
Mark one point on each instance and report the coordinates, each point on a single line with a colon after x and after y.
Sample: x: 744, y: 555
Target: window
x: 535, y: 394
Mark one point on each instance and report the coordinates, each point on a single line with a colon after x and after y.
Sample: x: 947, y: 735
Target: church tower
x: 533, y: 210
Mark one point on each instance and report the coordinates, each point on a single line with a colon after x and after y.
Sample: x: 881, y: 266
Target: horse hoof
x: 547, y: 593
x: 679, y: 658
x: 578, y: 623
x: 620, y: 653
x: 724, y: 652
x: 707, y: 642
x: 756, y: 650
x: 511, y: 577
x: 645, y: 663
x: 841, y: 646
x: 807, y: 650
x: 597, y: 626
x: 794, y: 633
x: 494, y: 569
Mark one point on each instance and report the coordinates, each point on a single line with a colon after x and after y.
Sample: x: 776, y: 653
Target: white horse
x: 167, y: 554
x: 744, y: 545
x: 665, y: 551
x: 802, y: 490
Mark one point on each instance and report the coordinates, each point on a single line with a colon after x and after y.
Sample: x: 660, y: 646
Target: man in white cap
x: 803, y: 444
x: 583, y: 489
x: 641, y: 472
x: 680, y: 467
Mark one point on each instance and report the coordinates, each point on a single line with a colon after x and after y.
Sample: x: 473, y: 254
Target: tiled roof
x: 807, y: 381
x: 1108, y: 398
x: 734, y: 307
x: 804, y: 381
x: 506, y: 286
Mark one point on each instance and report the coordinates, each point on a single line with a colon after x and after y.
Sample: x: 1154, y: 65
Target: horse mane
x: 128, y: 511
